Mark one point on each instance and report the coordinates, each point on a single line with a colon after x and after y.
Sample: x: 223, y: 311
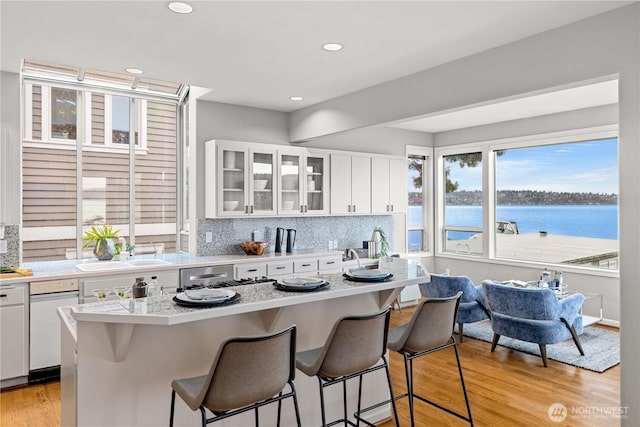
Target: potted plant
x: 381, y: 243
x: 102, y: 235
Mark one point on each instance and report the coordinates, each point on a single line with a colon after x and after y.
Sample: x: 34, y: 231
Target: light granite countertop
x: 66, y: 269
x: 162, y: 310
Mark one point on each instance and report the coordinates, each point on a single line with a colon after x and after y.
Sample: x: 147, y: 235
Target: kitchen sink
x: 103, y: 266
x: 119, y: 265
x: 147, y: 262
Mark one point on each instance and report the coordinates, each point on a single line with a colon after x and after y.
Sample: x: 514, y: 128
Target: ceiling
x: 260, y: 53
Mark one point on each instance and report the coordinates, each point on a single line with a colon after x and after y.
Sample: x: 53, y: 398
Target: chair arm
x: 479, y: 296
x: 570, y: 307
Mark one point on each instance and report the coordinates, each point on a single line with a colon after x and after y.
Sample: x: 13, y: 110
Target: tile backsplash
x: 312, y: 232
x: 12, y: 236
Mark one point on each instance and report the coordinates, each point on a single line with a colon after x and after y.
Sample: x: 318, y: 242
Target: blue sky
x: 576, y: 167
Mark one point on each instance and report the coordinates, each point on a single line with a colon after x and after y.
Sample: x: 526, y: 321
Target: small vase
x: 377, y: 243
x: 104, y: 249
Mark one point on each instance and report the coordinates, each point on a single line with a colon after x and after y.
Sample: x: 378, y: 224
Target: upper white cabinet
x: 243, y: 179
x: 350, y: 184
x: 303, y: 182
x: 388, y: 185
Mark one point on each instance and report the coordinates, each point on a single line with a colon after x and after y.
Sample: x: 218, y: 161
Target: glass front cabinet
x: 303, y: 180
x: 245, y: 180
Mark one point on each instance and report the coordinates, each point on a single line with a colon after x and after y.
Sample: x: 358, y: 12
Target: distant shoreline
x: 524, y: 198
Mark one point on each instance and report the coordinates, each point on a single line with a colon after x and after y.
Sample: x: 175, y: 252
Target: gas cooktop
x: 233, y: 282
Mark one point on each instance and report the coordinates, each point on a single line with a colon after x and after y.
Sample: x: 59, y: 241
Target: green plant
x: 384, y: 243
x: 97, y: 233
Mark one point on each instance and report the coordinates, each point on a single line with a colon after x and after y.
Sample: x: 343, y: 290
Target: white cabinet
x: 350, y: 184
x: 388, y: 185
x: 13, y: 331
x: 303, y: 179
x: 239, y: 179
x: 248, y: 271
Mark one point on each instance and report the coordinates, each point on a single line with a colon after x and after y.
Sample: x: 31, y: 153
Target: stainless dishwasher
x: 44, y: 326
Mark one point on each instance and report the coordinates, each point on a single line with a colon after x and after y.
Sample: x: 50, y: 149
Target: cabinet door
x: 290, y: 176
x: 398, y: 192
x: 316, y: 184
x: 340, y: 184
x: 361, y: 184
x: 262, y: 199
x: 380, y: 185
x: 232, y: 166
x: 13, y: 332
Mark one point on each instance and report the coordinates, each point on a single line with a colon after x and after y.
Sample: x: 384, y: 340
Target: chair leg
x: 295, y: 404
x: 464, y: 389
x: 359, y: 400
x: 460, y: 326
x: 576, y: 340
x: 408, y: 371
x: 393, y: 401
x: 344, y: 401
x: 324, y: 419
x: 173, y: 404
x: 257, y: 417
x: 279, y: 409
x: 203, y: 416
x: 496, y: 337
x: 543, y: 353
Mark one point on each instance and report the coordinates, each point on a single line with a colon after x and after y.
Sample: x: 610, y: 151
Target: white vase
x: 376, y: 239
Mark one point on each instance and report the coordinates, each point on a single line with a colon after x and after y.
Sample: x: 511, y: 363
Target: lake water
x: 598, y: 221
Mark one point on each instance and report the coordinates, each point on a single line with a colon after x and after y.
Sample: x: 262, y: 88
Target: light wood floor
x: 505, y: 388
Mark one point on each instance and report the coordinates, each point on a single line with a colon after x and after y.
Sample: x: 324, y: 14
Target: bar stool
x: 354, y: 347
x: 429, y: 330
x: 247, y: 373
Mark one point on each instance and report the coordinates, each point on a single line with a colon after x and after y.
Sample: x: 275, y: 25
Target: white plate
x: 302, y: 281
x: 368, y: 273
x: 206, y: 295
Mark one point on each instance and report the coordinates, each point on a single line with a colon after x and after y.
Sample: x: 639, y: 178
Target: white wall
x: 588, y: 50
x: 10, y: 148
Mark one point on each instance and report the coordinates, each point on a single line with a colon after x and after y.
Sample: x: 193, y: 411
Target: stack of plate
x: 205, y: 297
x: 367, y: 275
x: 301, y: 284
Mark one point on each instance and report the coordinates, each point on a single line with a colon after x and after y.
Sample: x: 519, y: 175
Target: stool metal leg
x: 173, y: 404
x: 464, y: 389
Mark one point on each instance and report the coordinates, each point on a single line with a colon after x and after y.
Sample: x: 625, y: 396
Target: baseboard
x: 52, y: 373
x: 609, y: 322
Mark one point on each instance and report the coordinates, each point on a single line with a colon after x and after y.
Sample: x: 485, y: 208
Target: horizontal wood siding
x: 49, y: 182
x: 36, y: 107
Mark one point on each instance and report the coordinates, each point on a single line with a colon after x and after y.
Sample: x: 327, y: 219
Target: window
x: 558, y: 203
x: 547, y: 199
x: 419, y: 212
x: 79, y: 168
x: 462, y: 177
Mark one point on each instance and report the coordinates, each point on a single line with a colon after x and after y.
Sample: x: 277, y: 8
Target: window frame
x: 428, y: 240
x: 47, y: 139
x: 489, y: 206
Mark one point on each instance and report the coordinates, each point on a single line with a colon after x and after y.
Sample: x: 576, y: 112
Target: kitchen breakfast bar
x: 119, y: 357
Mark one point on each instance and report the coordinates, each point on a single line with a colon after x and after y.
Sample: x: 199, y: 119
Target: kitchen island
x: 118, y: 359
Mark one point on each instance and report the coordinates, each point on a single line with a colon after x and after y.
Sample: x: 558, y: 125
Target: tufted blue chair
x: 533, y: 315
x: 472, y: 306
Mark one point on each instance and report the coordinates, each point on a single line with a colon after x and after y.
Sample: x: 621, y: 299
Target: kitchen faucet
x: 351, y: 251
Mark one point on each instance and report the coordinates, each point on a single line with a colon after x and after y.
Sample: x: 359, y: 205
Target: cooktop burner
x: 229, y: 283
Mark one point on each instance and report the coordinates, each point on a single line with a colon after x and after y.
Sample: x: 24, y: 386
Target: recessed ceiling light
x: 332, y: 47
x: 180, y: 7
x: 134, y: 70
x: 296, y: 98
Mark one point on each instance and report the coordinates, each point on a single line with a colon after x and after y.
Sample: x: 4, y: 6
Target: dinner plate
x: 368, y: 279
x: 300, y: 288
x: 185, y: 301
x: 368, y: 273
x: 206, y: 295
x: 302, y: 281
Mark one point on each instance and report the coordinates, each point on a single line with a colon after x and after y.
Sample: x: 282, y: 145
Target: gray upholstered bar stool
x: 354, y: 347
x: 429, y: 330
x: 247, y: 373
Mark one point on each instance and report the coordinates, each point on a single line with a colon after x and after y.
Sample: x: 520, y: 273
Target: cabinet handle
x: 3, y: 295
x: 354, y: 208
x: 391, y: 208
x: 252, y: 270
x: 246, y: 209
x: 306, y: 265
x: 282, y: 267
x: 348, y: 208
x: 330, y: 262
x: 301, y: 208
x: 251, y: 209
x: 305, y: 208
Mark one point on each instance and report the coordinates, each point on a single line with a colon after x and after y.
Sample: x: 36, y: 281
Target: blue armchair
x: 472, y: 306
x: 533, y: 315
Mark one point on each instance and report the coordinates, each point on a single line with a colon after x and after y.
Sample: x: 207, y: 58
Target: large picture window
x: 95, y: 157
x: 553, y: 199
